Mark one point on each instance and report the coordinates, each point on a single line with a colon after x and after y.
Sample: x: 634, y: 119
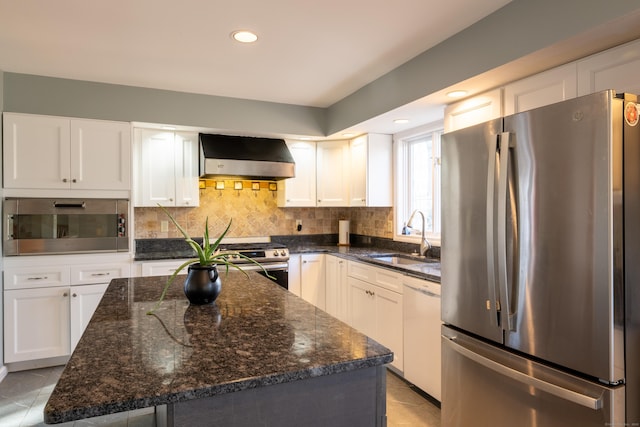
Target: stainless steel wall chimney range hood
x: 245, y: 157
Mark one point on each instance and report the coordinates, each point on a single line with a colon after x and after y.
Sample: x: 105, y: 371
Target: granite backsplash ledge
x: 178, y: 248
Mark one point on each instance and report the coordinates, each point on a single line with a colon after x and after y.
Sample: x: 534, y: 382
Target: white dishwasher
x: 422, y: 356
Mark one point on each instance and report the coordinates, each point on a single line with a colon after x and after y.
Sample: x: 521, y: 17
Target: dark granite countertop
x: 163, y: 249
x: 256, y: 334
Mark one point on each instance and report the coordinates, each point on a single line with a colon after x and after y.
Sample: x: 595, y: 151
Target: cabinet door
x: 332, y: 296
x: 612, y: 69
x: 300, y: 191
x: 312, y: 279
x: 155, y: 170
x: 389, y: 323
x: 36, y: 324
x: 84, y: 301
x: 546, y: 88
x: 294, y: 274
x: 100, y: 155
x: 362, y: 306
x: 358, y: 160
x: 371, y: 182
x: 336, y: 287
x: 332, y: 173
x: 36, y: 151
x: 477, y: 109
x: 187, y: 150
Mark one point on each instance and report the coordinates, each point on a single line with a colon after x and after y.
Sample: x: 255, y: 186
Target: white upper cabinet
x: 615, y: 68
x: 46, y: 152
x: 555, y: 85
x: 301, y: 190
x: 473, y: 110
x: 371, y: 181
x: 166, y: 168
x: 332, y: 175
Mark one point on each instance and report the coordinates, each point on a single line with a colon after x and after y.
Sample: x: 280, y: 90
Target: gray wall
x: 74, y: 98
x: 518, y: 29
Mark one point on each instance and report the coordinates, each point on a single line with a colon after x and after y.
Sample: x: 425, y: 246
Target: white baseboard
x: 3, y: 372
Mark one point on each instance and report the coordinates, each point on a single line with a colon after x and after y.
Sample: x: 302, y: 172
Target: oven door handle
x: 268, y: 267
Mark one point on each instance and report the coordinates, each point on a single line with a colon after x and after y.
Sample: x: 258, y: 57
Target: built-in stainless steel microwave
x: 63, y: 226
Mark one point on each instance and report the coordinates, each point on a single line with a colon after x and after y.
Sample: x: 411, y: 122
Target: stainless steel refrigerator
x: 541, y: 267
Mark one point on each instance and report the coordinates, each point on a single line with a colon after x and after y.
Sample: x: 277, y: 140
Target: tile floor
x: 24, y: 394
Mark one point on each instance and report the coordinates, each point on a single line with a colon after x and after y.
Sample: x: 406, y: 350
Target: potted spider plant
x: 202, y: 284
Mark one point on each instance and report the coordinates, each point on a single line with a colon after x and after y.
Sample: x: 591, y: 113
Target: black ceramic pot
x: 202, y: 285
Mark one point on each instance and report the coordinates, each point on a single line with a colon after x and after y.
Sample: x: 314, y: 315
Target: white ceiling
x: 309, y: 52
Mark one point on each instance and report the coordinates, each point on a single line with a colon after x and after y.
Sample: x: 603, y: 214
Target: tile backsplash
x: 255, y: 213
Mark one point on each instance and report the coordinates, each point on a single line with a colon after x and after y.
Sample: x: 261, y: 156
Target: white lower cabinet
x: 376, y: 306
x: 49, y: 301
x: 336, y: 291
x: 83, y: 303
x: 36, y: 324
x: 312, y: 283
x: 422, y: 342
x: 294, y: 274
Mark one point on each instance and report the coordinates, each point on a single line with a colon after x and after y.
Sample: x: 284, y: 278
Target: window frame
x: 400, y: 216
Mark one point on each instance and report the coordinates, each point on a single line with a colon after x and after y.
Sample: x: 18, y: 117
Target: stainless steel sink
x: 403, y: 259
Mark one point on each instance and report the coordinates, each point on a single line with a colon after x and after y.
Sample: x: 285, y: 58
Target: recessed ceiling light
x: 244, y: 36
x: 401, y: 121
x: 457, y: 94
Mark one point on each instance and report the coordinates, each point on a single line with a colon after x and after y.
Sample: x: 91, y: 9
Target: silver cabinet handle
x: 100, y: 274
x: 38, y: 278
x: 561, y: 392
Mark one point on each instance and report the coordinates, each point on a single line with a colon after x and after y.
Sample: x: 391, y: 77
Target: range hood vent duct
x: 245, y: 157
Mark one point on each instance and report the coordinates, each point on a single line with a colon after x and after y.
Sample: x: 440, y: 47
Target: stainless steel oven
x: 273, y: 257
x: 35, y: 226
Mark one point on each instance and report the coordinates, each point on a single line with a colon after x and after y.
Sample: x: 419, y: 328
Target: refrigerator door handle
x: 506, y: 144
x: 492, y: 303
x: 595, y: 403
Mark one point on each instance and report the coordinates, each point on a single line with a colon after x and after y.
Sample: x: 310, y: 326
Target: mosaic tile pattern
x: 255, y: 213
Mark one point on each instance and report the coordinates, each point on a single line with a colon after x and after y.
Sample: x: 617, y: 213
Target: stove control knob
x: 283, y: 253
x: 275, y: 253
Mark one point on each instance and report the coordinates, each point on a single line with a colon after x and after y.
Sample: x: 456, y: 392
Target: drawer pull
x: 38, y: 278
x: 100, y: 274
x: 65, y: 294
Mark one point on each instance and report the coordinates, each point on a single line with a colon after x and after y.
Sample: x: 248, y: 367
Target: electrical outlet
x: 164, y: 226
x: 298, y: 224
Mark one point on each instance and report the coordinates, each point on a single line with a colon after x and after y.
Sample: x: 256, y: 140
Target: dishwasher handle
x: 423, y: 291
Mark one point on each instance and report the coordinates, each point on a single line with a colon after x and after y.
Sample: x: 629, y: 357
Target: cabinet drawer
x: 98, y: 273
x: 36, y: 277
x: 162, y: 268
x: 387, y: 279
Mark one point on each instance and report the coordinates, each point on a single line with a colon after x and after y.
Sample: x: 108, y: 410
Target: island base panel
x: 354, y: 399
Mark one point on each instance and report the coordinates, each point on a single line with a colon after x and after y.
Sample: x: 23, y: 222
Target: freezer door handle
x: 595, y: 403
x: 492, y: 303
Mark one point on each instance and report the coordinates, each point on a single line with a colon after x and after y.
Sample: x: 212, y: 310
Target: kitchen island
x: 258, y: 356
